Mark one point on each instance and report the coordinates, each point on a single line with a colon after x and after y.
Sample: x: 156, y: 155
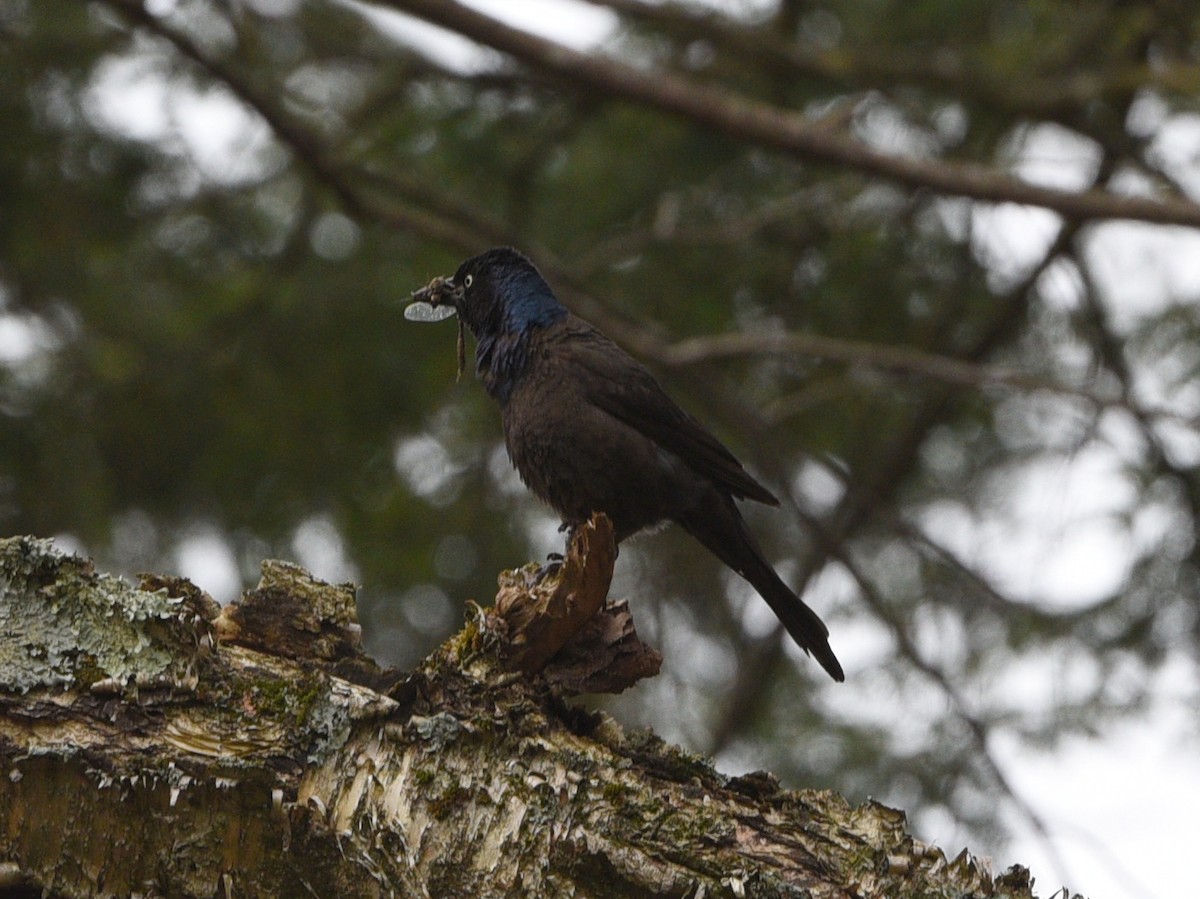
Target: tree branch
x: 151, y: 745
x: 907, y: 360
x: 876, y: 486
x: 943, y: 68
x: 755, y: 122
x: 442, y: 219
x: 308, y: 147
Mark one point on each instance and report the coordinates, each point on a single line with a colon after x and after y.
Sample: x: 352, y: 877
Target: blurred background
x: 979, y: 400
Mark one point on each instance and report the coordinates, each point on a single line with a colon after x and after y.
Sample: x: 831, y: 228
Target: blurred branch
x: 872, y: 492
x: 419, y: 210
x: 752, y: 121
x: 735, y: 230
x: 416, y: 207
x: 1034, y: 95
x: 908, y: 360
x: 1055, y: 621
x: 890, y: 463
x: 976, y: 727
x: 743, y: 702
x: 307, y: 147
x: 1110, y: 352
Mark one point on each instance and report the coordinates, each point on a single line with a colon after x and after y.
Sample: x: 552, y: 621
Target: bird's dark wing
x: 619, y: 385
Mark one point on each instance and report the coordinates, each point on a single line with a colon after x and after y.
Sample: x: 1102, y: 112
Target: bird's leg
x: 568, y: 528
x: 554, y: 564
x: 555, y: 560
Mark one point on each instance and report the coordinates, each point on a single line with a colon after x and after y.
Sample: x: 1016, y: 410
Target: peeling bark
x: 556, y: 623
x: 155, y: 745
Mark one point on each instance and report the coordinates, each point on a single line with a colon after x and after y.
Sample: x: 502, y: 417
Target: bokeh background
x: 977, y: 397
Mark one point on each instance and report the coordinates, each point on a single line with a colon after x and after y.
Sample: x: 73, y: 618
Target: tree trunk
x: 156, y: 745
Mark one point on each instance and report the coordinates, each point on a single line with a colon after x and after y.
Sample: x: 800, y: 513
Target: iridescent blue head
x: 502, y: 297
x: 504, y: 293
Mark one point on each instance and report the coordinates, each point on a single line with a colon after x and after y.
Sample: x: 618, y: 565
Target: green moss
x: 263, y: 695
x: 653, y: 808
x: 644, y: 747
x: 306, y: 694
x: 614, y: 792
x: 423, y: 777
x: 279, y: 698
x: 449, y: 799
x: 462, y: 645
x: 696, y: 827
x: 270, y: 695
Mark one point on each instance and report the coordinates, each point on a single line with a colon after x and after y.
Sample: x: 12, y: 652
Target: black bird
x: 590, y: 430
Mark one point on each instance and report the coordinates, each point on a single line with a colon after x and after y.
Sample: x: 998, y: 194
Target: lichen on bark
x: 256, y: 751
x: 64, y: 625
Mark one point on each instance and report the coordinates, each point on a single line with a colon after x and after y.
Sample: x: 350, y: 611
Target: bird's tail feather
x: 731, y: 541
x: 806, y: 628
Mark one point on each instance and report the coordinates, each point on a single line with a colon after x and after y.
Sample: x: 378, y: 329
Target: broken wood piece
x: 555, y: 620
x: 541, y: 609
x: 605, y: 656
x: 292, y: 614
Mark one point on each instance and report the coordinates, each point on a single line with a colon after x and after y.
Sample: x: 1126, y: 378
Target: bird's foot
x: 554, y: 566
x: 569, y: 528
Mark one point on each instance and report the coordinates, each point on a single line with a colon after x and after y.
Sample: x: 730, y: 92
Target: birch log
x: 154, y: 744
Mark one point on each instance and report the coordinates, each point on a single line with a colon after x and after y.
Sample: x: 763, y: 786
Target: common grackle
x: 590, y: 430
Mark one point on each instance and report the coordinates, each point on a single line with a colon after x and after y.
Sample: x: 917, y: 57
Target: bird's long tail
x: 728, y: 538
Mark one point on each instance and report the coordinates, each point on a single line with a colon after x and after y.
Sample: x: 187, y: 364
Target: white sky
x: 1119, y: 805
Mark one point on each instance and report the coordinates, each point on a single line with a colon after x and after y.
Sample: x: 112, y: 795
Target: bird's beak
x: 437, y: 300
x: 438, y: 291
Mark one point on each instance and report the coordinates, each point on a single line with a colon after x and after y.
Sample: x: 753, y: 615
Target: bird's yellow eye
x: 468, y: 281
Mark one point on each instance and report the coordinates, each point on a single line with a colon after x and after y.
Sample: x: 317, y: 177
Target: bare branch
x: 946, y: 69
x: 308, y: 147
x: 756, y: 122
x: 908, y: 360
x: 412, y: 207
x: 874, y: 487
x: 415, y: 207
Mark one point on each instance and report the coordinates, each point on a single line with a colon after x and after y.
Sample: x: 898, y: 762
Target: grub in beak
x: 436, y: 301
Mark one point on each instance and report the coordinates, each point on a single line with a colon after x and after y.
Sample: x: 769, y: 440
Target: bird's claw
x: 548, y: 570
